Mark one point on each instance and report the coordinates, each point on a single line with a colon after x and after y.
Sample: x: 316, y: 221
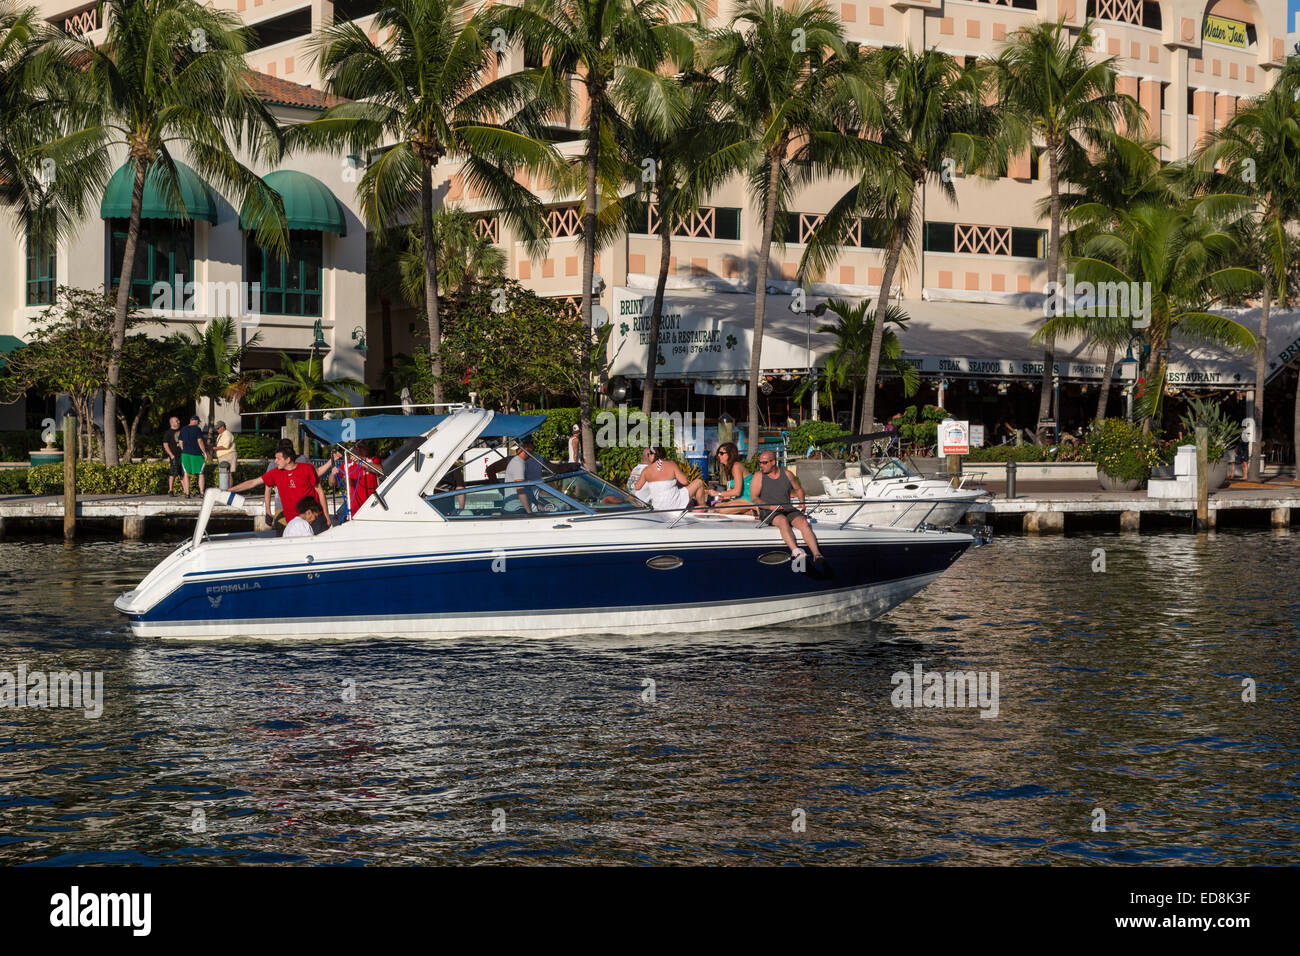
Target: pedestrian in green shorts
x: 193, y: 453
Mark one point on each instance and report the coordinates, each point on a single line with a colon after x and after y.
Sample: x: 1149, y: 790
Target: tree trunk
x: 1295, y: 431
x: 902, y: 228
x: 119, y: 318
x: 775, y: 158
x: 594, y: 98
x: 1261, y: 370
x: 431, y: 280
x: 656, y: 313
x: 853, y: 412
x: 1104, y: 398
x: 1045, y: 409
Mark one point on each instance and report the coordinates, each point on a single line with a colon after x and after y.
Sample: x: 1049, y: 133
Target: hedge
x: 96, y: 478
x: 1026, y: 452
x: 14, y: 445
x: 813, y: 433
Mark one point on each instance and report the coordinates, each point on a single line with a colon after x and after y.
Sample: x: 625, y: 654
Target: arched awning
x: 196, y: 195
x: 308, y: 203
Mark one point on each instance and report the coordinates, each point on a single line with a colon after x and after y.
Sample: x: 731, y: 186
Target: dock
x: 1054, y: 507
x: 135, y: 515
x: 1038, y: 508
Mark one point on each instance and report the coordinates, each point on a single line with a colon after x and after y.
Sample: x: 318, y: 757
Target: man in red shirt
x: 293, y: 480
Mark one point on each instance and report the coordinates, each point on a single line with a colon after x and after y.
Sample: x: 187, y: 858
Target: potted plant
x: 1123, y: 452
x: 1224, y: 433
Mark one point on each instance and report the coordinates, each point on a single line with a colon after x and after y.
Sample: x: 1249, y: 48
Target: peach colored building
x: 971, y: 285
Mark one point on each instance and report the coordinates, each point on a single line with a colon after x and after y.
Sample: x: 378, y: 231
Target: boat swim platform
x: 1035, y: 510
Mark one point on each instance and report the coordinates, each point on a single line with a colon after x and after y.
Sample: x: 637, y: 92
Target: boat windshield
x: 596, y: 493
x: 891, y: 468
x: 572, y: 494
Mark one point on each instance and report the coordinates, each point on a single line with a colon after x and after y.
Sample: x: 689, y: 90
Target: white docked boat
x: 891, y: 493
x: 431, y: 556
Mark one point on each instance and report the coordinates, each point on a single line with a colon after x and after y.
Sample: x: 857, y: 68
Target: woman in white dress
x: 669, y: 487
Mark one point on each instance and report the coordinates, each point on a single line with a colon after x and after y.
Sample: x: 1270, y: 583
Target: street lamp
x: 359, y: 336
x: 1124, y: 364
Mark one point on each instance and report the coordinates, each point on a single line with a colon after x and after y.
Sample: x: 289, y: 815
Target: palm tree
x: 929, y: 120
x: 466, y: 259
x: 168, y: 71
x: 854, y: 334
x: 34, y: 76
x: 614, y: 50
x: 1259, y: 153
x: 1052, y: 92
x: 787, y: 76
x: 420, y: 96
x: 1124, y: 173
x: 303, y: 385
x: 1179, y: 251
x: 216, y: 360
x: 677, y: 182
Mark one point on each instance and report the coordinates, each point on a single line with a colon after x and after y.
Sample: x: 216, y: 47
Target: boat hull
x: 548, y: 592
x: 898, y: 513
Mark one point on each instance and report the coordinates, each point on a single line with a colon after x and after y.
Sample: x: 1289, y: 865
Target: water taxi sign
x: 1225, y: 31
x: 954, y: 437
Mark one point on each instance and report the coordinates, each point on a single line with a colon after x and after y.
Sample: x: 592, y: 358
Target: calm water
x: 1120, y: 691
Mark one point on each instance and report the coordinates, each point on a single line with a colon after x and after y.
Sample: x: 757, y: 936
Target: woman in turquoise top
x: 737, y: 490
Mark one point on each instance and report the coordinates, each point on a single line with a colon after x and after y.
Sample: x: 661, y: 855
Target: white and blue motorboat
x: 428, y: 556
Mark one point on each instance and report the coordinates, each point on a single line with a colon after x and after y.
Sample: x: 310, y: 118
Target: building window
x: 798, y: 227
x: 562, y: 222
x: 1140, y: 13
x: 79, y: 22
x: 280, y: 29
x: 346, y: 10
x: 985, y: 240
x: 1029, y: 243
x: 286, y: 286
x: 707, y: 222
x: 41, y: 262
x: 164, y: 253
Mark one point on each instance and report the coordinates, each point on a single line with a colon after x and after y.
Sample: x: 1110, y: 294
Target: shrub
x: 255, y: 446
x: 812, y: 433
x: 1224, y: 431
x: 1121, y: 449
x: 14, y: 445
x: 920, y: 427
x: 13, y: 481
x: 1026, y: 452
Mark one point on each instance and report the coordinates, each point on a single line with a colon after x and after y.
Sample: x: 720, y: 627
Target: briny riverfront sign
x: 1225, y: 31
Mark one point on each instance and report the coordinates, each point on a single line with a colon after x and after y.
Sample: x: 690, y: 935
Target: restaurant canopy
x: 707, y: 335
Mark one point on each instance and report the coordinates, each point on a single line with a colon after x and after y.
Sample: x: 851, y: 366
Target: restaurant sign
x: 1179, y: 373
x: 1225, y: 31
x: 693, y: 341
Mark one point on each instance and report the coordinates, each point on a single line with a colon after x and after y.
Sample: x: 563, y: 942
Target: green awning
x: 195, y: 193
x: 308, y: 203
x: 9, y: 343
